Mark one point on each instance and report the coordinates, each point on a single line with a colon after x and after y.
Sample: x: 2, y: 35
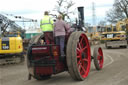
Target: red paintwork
x: 39, y: 52
x: 59, y: 65
x: 43, y: 70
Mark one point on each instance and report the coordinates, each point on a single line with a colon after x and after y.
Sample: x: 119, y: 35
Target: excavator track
x: 11, y: 60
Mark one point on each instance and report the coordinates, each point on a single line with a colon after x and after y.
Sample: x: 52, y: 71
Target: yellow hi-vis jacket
x: 46, y: 24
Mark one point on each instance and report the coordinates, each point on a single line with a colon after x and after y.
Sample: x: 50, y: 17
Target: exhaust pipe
x: 81, y: 19
x: 81, y: 16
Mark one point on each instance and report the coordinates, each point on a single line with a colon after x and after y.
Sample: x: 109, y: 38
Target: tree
x: 63, y: 7
x: 118, y: 12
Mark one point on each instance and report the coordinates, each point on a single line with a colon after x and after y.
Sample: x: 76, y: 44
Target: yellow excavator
x: 115, y: 36
x: 11, y: 44
x: 126, y: 21
x: 95, y: 36
x: 11, y: 49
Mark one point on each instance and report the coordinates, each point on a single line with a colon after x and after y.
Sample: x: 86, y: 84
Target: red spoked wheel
x: 98, y: 58
x: 78, y: 55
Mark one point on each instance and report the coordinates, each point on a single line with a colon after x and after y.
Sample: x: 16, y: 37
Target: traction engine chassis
x: 43, y: 60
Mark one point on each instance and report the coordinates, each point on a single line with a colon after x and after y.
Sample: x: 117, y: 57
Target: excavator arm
x: 6, y: 23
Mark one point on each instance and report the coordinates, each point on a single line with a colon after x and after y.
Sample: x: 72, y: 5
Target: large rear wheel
x: 78, y: 55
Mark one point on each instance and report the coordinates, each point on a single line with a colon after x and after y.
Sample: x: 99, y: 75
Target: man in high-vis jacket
x: 46, y: 26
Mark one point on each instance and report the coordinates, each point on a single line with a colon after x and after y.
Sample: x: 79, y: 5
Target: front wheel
x: 98, y: 58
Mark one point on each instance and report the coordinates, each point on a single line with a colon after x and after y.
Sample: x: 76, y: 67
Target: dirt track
x: 115, y: 72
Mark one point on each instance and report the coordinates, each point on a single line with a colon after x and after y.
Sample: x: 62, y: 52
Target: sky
x: 34, y: 8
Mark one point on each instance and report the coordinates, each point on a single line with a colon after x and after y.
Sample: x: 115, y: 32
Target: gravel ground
x: 115, y: 72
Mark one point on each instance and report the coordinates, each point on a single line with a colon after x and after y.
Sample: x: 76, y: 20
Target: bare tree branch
x: 63, y: 7
x: 119, y: 11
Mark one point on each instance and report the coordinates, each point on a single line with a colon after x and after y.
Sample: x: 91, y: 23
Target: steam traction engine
x: 44, y: 59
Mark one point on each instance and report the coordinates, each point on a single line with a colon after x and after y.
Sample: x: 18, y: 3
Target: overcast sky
x: 35, y: 8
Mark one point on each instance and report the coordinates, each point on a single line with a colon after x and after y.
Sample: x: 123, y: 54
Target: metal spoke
x: 78, y: 63
x: 84, y: 48
x: 78, y: 50
x: 78, y: 56
x: 79, y: 45
x: 83, y: 69
x: 81, y: 40
x: 85, y: 60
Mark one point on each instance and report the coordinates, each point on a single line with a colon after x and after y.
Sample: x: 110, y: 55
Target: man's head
x: 46, y: 13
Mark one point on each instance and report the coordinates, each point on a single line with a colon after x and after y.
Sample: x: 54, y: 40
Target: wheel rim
x: 100, y: 58
x: 83, y: 56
